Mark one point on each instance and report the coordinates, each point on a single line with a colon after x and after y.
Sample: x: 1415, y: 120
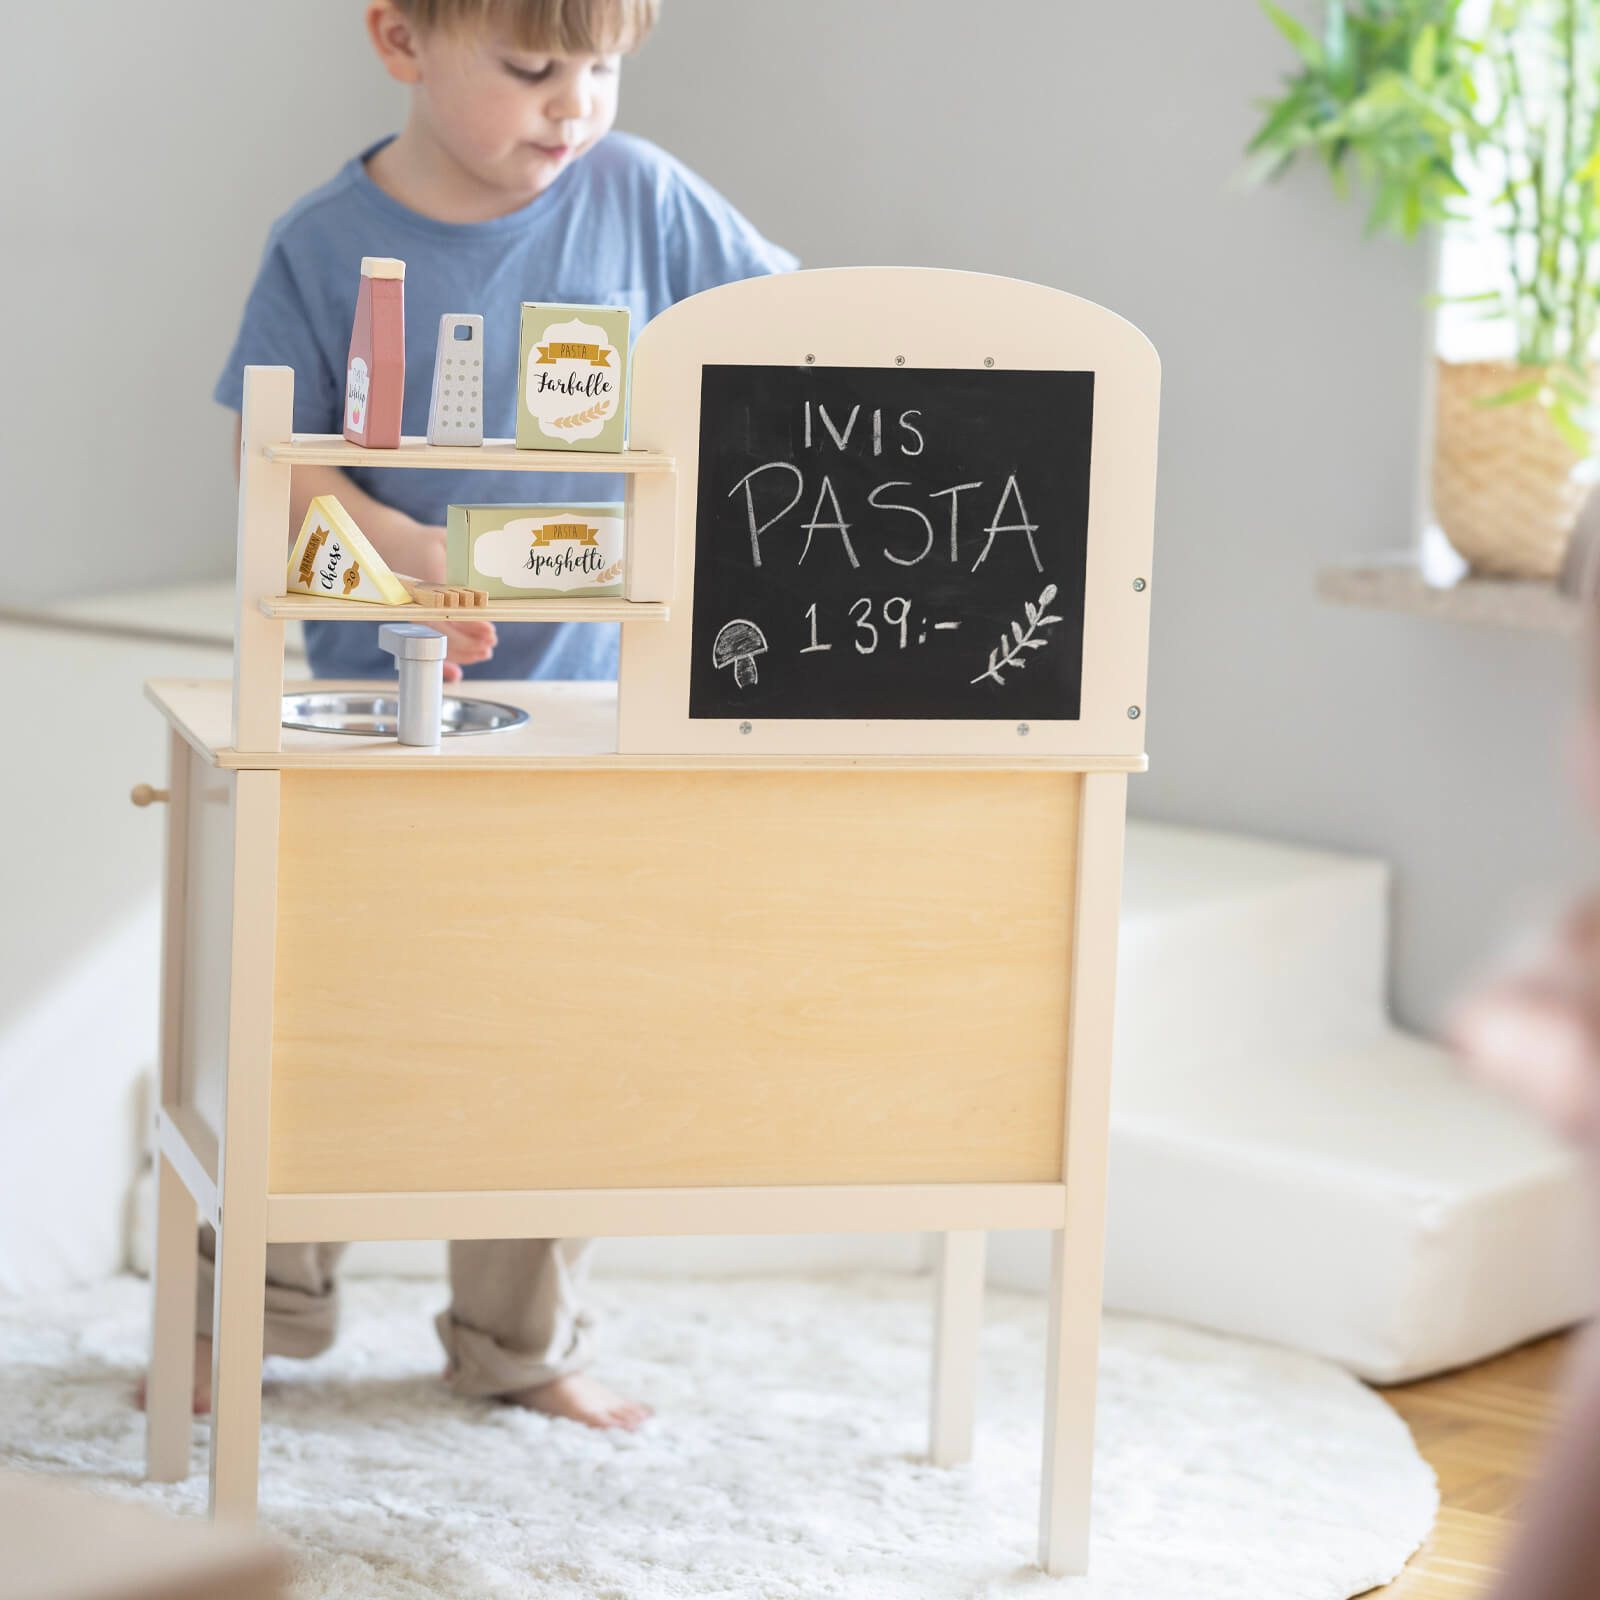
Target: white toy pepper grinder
x: 419, y: 652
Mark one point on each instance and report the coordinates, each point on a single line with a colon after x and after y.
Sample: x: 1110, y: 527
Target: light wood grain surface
x: 1481, y: 1431
x: 659, y: 979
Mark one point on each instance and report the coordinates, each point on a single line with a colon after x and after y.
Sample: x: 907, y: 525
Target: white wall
x: 148, y: 150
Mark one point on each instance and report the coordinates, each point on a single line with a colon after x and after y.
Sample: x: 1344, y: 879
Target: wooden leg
x: 1071, y: 1359
x: 1077, y: 1249
x: 241, y: 1267
x: 238, y: 1308
x: 169, y: 1388
x: 958, y: 1318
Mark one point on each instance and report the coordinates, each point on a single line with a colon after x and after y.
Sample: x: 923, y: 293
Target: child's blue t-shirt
x: 625, y: 224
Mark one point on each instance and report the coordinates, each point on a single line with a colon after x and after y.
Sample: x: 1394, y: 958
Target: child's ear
x: 394, y: 37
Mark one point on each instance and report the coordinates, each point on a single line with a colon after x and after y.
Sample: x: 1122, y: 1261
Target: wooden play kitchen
x: 809, y: 924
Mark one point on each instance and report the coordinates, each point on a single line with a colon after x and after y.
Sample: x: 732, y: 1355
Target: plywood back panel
x: 499, y: 981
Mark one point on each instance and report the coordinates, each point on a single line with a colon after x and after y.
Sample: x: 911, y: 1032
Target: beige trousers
x: 514, y: 1319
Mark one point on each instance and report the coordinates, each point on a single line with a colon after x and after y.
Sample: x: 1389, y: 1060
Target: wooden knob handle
x: 143, y: 795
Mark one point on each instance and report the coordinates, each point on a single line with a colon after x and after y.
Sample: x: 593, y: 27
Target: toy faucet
x: 419, y: 652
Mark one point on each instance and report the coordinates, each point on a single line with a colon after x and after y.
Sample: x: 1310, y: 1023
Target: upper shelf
x: 493, y: 455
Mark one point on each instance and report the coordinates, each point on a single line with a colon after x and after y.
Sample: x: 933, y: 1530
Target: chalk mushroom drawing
x: 1009, y: 651
x: 738, y: 644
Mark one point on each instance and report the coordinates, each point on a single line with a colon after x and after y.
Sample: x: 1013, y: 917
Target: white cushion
x: 1369, y: 1206
x: 1284, y: 1163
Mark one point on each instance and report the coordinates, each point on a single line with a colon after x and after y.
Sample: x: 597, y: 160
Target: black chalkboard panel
x: 890, y: 543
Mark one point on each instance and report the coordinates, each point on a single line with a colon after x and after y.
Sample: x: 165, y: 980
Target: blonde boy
x: 506, y: 184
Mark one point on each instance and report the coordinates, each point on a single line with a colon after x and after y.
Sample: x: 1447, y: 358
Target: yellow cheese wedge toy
x: 333, y: 559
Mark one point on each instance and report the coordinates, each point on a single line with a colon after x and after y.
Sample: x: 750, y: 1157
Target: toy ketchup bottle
x: 375, y: 378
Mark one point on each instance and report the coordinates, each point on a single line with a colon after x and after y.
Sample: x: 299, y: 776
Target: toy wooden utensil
x: 455, y: 413
x: 443, y: 594
x: 375, y: 375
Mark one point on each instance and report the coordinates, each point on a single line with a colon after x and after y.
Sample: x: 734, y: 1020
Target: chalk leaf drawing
x: 1009, y: 652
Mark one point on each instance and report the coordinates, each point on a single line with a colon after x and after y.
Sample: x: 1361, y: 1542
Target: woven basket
x: 1502, y: 476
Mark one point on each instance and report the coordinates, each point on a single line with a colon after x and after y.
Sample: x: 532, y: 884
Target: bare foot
x: 582, y: 1400
x: 202, y: 1380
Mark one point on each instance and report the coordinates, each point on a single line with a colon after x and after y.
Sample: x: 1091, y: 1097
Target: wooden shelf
x: 1398, y: 585
x: 308, y: 608
x: 493, y: 455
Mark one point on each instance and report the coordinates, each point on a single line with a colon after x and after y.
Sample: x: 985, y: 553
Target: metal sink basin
x: 375, y: 713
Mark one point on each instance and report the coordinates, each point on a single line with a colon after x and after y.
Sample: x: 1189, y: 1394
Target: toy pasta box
x: 333, y: 559
x: 530, y: 552
x: 573, y: 378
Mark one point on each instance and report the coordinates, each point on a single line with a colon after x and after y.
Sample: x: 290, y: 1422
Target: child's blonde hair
x: 562, y: 27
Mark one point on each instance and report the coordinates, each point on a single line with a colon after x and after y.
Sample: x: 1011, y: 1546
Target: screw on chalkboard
x: 745, y: 727
x: 1022, y: 728
x: 810, y: 359
x: 1138, y: 585
x: 1133, y: 713
x: 899, y: 361
x: 737, y: 645
x: 988, y: 361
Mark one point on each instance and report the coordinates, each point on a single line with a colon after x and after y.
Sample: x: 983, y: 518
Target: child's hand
x: 1535, y: 1033
x: 418, y: 551
x: 413, y: 548
x: 467, y: 642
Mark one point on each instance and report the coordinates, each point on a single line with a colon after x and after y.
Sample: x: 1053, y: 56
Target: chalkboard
x: 879, y: 542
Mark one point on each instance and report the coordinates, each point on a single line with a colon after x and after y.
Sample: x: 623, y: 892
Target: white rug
x: 785, y: 1460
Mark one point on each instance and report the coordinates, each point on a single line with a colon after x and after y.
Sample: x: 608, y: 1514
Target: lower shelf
x: 307, y: 608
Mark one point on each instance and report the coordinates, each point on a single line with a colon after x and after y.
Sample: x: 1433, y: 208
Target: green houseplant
x: 1423, y: 107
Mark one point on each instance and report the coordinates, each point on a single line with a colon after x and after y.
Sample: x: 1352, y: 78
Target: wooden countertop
x: 570, y: 726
